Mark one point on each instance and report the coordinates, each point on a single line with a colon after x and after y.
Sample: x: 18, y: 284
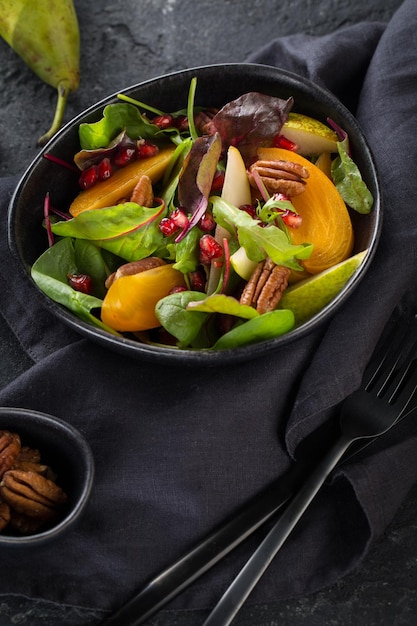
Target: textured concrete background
x: 125, y: 42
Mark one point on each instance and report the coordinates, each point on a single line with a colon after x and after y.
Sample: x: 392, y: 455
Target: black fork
x: 388, y: 387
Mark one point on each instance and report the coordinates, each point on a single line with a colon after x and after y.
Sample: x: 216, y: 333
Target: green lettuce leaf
x: 348, y: 180
x: 259, y: 242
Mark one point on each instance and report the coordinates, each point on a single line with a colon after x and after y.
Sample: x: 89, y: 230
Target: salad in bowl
x: 214, y: 226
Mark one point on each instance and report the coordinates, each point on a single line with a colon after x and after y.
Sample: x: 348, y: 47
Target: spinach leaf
x: 173, y: 315
x: 50, y: 273
x: 220, y: 303
x: 260, y: 328
x: 186, y: 251
x: 173, y: 172
x: 348, y: 180
x: 128, y: 230
x: 90, y: 261
x: 116, y: 118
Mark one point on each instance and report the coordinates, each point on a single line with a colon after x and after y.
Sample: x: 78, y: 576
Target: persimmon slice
x: 120, y: 185
x: 326, y: 221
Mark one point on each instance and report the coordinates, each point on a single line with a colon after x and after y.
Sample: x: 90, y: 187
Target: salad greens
x: 187, y: 208
x: 69, y: 256
x: 348, y: 180
x: 259, y: 242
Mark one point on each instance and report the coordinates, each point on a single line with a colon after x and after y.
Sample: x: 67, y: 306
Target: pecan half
x: 9, y: 449
x: 284, y: 177
x: 265, y: 287
x: 142, y: 193
x: 29, y: 454
x: 24, y: 524
x: 23, y: 464
x: 32, y: 494
x: 134, y: 267
x: 30, y: 459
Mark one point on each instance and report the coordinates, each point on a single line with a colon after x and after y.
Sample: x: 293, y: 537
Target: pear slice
x: 310, y: 135
x: 242, y: 264
x: 324, y: 163
x: 309, y: 296
x: 236, y: 190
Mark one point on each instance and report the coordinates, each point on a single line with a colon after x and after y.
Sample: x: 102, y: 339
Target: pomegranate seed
x: 209, y: 249
x: 218, y: 180
x: 123, y: 156
x: 207, y: 223
x: 104, y: 169
x: 89, y: 177
x: 178, y: 289
x: 163, y: 121
x: 146, y: 149
x: 81, y: 282
x: 197, y: 280
x: 167, y: 226
x: 250, y: 209
x: 282, y: 142
x: 181, y: 122
x: 291, y: 219
x: 180, y: 218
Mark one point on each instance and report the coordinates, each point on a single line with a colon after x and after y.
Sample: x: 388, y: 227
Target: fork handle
x: 235, y: 596
x: 175, y: 578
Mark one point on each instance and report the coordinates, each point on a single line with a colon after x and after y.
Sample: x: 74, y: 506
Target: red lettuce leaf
x: 197, y: 178
x: 251, y: 121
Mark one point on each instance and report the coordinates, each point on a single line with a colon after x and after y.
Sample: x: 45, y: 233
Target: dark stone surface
x: 124, y: 43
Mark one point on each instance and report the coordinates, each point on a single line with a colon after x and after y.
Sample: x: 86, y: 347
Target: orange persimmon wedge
x: 325, y: 219
x: 129, y: 304
x: 118, y: 187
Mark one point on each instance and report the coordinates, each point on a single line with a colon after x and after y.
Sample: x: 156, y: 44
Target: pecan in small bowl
x: 46, y: 476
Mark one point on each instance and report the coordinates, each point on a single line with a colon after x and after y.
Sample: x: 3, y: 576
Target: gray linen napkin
x: 178, y: 450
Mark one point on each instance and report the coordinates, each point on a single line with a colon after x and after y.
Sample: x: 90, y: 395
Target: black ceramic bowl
x: 216, y: 85
x: 66, y: 452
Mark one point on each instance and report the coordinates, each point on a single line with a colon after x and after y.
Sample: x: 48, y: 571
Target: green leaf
x: 50, y: 272
x: 128, y: 230
x: 173, y: 315
x: 173, y: 171
x: 220, y: 303
x: 116, y: 118
x: 260, y: 328
x: 259, y: 242
x: 186, y: 251
x: 90, y: 261
x: 348, y: 181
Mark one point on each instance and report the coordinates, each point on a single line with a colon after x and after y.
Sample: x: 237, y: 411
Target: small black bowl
x: 66, y: 451
x: 216, y: 85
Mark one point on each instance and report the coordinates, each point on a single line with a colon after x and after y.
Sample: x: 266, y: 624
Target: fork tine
x: 403, y: 387
x: 398, y: 346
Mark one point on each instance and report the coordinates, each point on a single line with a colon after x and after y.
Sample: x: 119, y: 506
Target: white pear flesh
x: 236, y: 188
x: 242, y: 264
x: 236, y: 191
x: 311, y: 136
